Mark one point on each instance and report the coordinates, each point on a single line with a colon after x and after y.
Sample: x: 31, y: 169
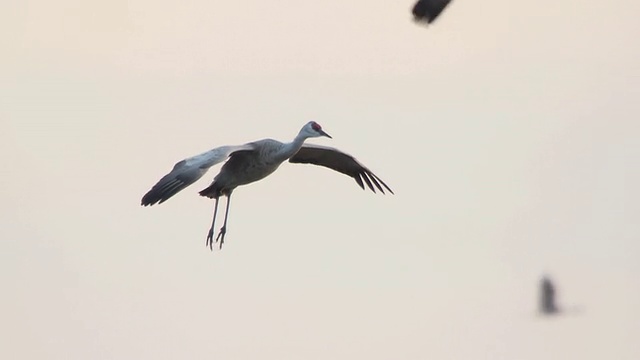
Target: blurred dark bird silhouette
x: 548, y: 297
x: 428, y: 10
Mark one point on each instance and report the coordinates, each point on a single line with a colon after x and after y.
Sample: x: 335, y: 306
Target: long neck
x: 290, y: 149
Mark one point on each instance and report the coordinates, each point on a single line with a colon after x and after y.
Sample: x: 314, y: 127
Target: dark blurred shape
x: 547, y: 297
x: 428, y: 10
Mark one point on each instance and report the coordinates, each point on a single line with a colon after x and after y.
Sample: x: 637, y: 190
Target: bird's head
x: 313, y: 129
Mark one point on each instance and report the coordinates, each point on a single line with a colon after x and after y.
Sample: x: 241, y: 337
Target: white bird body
x: 252, y: 162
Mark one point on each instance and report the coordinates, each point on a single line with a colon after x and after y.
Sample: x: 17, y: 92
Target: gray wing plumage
x: 341, y: 162
x: 188, y: 171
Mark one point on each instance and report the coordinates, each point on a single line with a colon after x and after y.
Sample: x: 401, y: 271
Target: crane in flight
x: 252, y: 162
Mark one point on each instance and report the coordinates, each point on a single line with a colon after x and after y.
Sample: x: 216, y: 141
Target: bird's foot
x: 223, y: 231
x: 210, y: 239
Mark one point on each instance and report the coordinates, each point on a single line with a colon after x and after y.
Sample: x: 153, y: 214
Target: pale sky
x: 508, y: 131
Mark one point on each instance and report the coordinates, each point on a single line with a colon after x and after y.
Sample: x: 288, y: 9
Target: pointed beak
x: 324, y: 134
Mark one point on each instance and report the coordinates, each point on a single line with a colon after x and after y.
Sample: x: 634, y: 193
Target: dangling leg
x: 213, y: 224
x: 223, y: 229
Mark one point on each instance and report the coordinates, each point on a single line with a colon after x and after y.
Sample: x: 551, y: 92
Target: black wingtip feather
x: 359, y: 181
x: 383, y: 183
x: 148, y: 199
x: 366, y: 179
x: 375, y: 182
x: 371, y: 179
x: 162, y: 192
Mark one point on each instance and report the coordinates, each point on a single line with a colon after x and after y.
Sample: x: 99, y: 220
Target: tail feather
x: 213, y: 191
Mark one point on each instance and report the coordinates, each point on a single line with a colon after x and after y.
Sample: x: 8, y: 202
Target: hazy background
x: 508, y: 131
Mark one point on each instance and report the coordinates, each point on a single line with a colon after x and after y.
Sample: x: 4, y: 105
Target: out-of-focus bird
x: 547, y: 304
x: 252, y: 162
x: 428, y: 10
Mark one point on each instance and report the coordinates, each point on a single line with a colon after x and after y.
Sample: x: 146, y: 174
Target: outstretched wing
x: 188, y: 171
x: 428, y: 10
x: 338, y: 161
